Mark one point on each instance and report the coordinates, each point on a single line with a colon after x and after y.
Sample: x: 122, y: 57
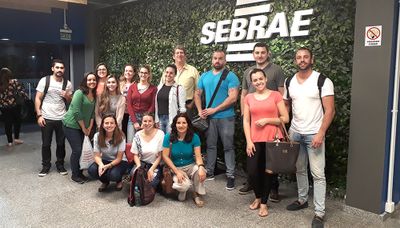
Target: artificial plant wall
x: 145, y: 32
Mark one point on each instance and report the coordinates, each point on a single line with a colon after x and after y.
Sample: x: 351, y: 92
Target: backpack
x: 46, y: 88
x: 141, y: 192
x: 320, y: 83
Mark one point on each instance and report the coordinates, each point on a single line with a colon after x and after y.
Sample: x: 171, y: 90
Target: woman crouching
x: 109, y: 147
x: 179, y: 147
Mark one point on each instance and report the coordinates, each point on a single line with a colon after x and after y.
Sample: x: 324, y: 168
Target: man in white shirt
x: 50, y: 109
x: 313, y: 110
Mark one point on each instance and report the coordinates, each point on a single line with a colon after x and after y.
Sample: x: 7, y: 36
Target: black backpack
x: 320, y: 83
x: 141, y: 192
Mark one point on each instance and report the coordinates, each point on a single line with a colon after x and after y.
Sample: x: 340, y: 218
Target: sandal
x: 198, y: 201
x: 263, y: 212
x: 119, y: 186
x: 18, y: 141
x: 255, y: 205
x: 103, y: 187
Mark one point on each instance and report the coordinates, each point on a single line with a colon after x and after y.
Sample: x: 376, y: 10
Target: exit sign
x: 66, y: 34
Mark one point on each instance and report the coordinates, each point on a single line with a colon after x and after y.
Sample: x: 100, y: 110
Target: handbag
x: 87, y: 157
x: 202, y: 124
x: 167, y: 181
x: 281, y: 156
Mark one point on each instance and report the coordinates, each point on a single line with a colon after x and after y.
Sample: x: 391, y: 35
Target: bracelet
x: 111, y: 164
x: 38, y: 116
x: 201, y: 165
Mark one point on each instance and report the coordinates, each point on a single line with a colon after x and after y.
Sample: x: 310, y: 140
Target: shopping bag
x: 87, y: 157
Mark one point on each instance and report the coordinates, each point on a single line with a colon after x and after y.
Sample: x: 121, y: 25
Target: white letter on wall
x: 278, y: 25
x: 256, y: 25
x: 207, y: 30
x: 238, y: 29
x: 297, y: 22
x: 221, y: 31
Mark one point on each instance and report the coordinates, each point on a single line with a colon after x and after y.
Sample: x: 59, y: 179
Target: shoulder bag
x: 202, y: 124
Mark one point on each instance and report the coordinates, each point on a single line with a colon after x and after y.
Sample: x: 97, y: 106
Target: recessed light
x: 4, y: 39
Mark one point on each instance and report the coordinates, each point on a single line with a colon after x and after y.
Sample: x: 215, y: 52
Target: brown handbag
x: 166, y: 183
x: 281, y: 156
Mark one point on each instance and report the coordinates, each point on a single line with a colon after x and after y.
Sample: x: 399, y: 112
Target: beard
x: 304, y: 67
x: 218, y: 66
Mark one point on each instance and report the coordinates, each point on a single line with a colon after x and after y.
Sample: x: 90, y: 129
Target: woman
x: 109, y: 147
x: 110, y: 101
x: 183, y: 155
x: 140, y: 99
x: 263, y: 112
x: 101, y: 74
x: 170, y: 99
x: 79, y: 121
x: 11, y: 111
x: 147, y: 148
x: 125, y: 81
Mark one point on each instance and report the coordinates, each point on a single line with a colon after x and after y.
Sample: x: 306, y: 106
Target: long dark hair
x: 118, y: 135
x: 83, y: 86
x: 5, y: 76
x: 174, y: 131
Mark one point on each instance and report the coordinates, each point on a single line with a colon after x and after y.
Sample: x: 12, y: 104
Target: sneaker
x: 44, y: 171
x: 230, y: 184
x: 61, y: 170
x: 210, y: 177
x: 245, y: 189
x: 317, y: 222
x: 296, y: 205
x: 78, y: 180
x: 274, y: 197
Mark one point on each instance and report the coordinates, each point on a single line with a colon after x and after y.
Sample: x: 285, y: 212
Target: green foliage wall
x: 145, y: 32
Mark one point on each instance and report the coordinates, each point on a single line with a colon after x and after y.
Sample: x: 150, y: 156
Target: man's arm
x: 38, y: 102
x: 328, y: 102
x: 229, y: 101
x: 197, y: 99
x: 281, y: 89
x: 242, y: 96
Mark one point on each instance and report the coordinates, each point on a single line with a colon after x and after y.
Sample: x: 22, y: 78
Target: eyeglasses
x: 102, y: 69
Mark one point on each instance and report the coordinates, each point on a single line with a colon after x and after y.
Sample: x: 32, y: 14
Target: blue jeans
x: 114, y: 174
x: 75, y: 139
x: 225, y: 129
x: 164, y: 123
x: 130, y: 129
x: 47, y: 136
x: 316, y: 157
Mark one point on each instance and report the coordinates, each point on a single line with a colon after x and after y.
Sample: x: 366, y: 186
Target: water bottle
x: 137, y: 196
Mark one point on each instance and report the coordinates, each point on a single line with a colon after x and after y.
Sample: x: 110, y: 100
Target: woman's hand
x: 136, y: 126
x: 261, y: 122
x: 250, y: 149
x: 86, y: 131
x: 202, y: 173
x: 101, y: 169
x: 181, y: 177
x: 150, y: 175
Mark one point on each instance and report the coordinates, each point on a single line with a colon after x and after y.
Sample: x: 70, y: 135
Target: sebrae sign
x: 240, y: 30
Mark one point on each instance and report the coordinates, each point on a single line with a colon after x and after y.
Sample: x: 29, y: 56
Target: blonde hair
x: 104, y: 101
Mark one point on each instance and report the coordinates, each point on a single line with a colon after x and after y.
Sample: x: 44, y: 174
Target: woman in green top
x: 79, y: 120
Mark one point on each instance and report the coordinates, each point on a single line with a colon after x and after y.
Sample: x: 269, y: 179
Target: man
x: 275, y: 80
x: 313, y: 110
x: 221, y: 115
x: 50, y: 109
x: 187, y: 76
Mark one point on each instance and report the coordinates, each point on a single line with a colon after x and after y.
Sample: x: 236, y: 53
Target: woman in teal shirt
x: 78, y: 122
x: 183, y: 155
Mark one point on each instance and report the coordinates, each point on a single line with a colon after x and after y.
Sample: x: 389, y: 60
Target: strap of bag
x: 177, y: 96
x: 138, y: 144
x: 223, y: 76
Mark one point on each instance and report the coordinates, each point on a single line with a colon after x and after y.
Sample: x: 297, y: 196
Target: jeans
x: 130, y: 129
x: 225, y: 129
x: 125, y: 121
x: 12, y: 116
x: 75, y: 139
x: 316, y: 157
x: 47, y: 135
x: 113, y: 174
x: 164, y: 123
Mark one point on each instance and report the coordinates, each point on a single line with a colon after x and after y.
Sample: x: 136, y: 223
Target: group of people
x: 157, y: 122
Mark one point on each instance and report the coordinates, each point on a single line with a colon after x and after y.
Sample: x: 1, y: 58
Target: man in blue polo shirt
x: 221, y: 115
